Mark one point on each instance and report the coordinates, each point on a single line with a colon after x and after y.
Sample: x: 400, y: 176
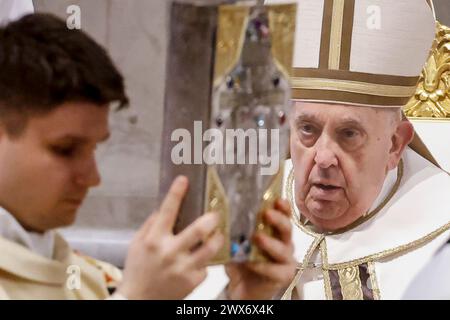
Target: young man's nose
x: 88, y: 175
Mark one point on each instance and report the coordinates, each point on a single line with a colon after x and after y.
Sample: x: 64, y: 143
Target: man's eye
x: 349, y: 134
x: 66, y: 151
x: 307, y: 128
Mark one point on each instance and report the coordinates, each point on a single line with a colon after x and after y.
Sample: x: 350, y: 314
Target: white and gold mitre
x: 361, y: 52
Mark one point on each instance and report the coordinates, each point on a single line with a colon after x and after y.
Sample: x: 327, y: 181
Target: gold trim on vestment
x: 350, y: 283
x: 390, y: 252
x: 326, y: 275
x: 373, y: 257
x: 373, y: 280
x: 288, y: 293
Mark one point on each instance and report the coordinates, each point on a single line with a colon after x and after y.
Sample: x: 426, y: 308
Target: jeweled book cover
x: 226, y: 108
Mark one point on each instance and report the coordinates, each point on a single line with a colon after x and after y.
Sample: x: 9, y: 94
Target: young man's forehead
x: 76, y: 119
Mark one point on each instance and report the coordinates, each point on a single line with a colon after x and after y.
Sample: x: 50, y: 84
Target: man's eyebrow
x: 344, y: 121
x: 306, y: 118
x: 81, y: 139
x: 350, y: 122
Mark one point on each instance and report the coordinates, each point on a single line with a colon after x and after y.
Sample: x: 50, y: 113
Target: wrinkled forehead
x: 337, y: 112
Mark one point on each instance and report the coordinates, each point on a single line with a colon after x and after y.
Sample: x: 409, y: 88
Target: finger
x: 274, y: 248
x: 281, y: 223
x: 208, y: 250
x: 170, y: 206
x: 283, y: 206
x: 198, y: 231
x: 232, y: 271
x: 144, y: 229
x: 282, y: 273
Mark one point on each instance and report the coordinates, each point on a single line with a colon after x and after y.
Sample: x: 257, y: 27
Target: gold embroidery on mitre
x: 432, y: 97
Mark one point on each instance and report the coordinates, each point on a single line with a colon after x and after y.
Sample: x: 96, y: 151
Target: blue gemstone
x: 260, y: 120
x: 234, y: 249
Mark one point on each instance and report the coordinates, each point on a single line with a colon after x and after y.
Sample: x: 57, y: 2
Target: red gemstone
x: 282, y: 117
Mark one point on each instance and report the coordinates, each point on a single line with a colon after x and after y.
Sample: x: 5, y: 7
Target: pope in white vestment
x: 358, y: 65
x: 368, y: 209
x: 379, y: 258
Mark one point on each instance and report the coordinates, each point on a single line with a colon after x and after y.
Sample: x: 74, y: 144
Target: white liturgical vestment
x: 378, y: 258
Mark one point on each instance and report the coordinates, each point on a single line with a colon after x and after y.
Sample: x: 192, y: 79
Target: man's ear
x: 402, y: 136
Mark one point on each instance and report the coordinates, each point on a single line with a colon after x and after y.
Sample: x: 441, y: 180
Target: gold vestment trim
x: 374, y: 281
x: 350, y: 283
x: 373, y: 257
x: 326, y: 275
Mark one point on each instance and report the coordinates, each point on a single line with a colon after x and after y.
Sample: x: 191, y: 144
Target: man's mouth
x: 76, y: 200
x: 325, y: 192
x: 326, y: 186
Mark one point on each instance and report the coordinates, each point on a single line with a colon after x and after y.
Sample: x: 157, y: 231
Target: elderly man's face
x: 341, y: 155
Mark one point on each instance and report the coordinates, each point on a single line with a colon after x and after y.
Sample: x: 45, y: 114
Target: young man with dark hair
x: 56, y: 86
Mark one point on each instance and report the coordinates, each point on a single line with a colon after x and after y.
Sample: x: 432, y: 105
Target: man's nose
x: 325, y: 153
x: 88, y: 175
